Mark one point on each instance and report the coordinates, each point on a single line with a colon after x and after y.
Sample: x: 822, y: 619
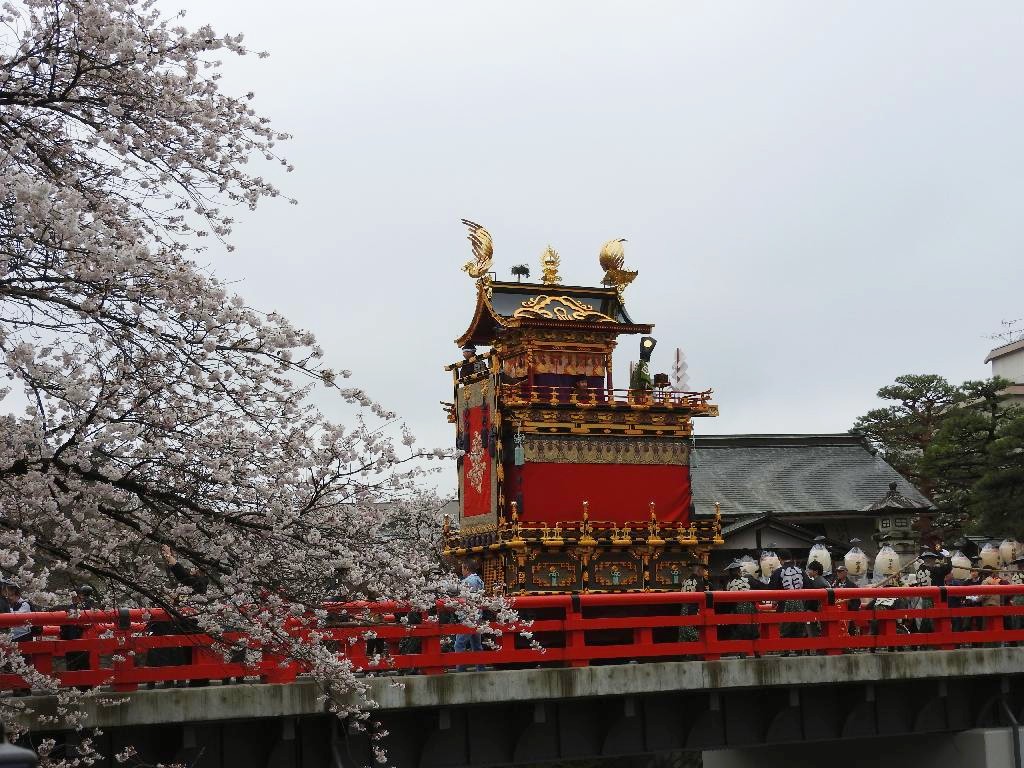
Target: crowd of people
x: 933, y: 567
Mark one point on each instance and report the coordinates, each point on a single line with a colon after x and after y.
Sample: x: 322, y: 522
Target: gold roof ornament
x: 549, y: 262
x: 612, y: 258
x: 483, y: 251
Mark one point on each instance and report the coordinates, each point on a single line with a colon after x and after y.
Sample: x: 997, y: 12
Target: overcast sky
x: 818, y: 196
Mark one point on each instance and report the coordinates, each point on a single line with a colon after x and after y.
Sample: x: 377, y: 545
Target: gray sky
x: 818, y: 196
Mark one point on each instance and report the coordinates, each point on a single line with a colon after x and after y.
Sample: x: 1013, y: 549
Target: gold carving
x: 586, y: 529
x: 621, y: 537
x: 483, y: 251
x: 552, y: 538
x: 654, y: 538
x: 516, y: 542
x: 570, y: 450
x: 549, y: 262
x: 552, y: 576
x: 560, y: 308
x: 612, y: 258
x: 618, y: 573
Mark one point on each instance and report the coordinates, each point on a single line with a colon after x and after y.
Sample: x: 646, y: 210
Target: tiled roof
x: 769, y: 521
x: 790, y: 474
x: 1006, y: 349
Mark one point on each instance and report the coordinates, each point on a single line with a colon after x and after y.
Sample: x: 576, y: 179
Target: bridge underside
x: 534, y: 716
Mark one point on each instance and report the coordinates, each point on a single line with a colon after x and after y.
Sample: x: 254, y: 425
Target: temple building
x: 782, y: 491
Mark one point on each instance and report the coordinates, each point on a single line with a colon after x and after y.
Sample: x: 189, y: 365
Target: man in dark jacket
x: 815, y: 580
x: 788, y: 576
x: 198, y: 582
x: 193, y: 578
x: 81, y: 600
x: 737, y: 581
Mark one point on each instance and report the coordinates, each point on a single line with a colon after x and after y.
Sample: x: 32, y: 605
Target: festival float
x: 567, y: 483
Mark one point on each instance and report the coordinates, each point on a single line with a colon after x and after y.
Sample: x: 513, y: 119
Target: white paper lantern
x: 856, y: 563
x: 769, y: 562
x: 748, y: 566
x: 990, y: 556
x: 819, y: 554
x: 887, y: 563
x: 1009, y: 550
x: 961, y: 565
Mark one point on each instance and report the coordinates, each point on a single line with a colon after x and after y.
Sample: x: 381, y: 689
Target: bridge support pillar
x: 979, y: 748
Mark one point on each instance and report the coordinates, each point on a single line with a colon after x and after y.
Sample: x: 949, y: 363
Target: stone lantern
x: 895, y: 515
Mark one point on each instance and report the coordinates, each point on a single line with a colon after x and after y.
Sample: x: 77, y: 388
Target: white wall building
x: 1008, y: 362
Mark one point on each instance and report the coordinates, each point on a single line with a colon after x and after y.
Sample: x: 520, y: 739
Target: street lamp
x: 15, y: 757
x: 646, y: 348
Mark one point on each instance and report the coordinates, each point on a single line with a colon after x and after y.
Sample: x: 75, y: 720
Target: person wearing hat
x: 841, y: 580
x: 470, y: 362
x: 697, y: 581
x: 789, y: 576
x: 738, y: 581
x: 81, y: 600
x: 1015, y: 576
x: 5, y: 603
x: 19, y: 634
x: 931, y: 572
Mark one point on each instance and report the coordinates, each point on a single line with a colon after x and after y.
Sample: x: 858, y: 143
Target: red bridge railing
x: 566, y: 630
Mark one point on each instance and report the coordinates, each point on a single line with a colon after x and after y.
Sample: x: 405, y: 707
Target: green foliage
x: 520, y: 271
x: 998, y: 498
x: 904, y: 430
x: 962, y: 446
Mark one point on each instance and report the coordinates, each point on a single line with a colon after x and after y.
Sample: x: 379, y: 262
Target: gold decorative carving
x: 621, y: 537
x: 586, y: 529
x: 483, y: 251
x: 616, y: 573
x: 516, y: 542
x: 553, y: 576
x: 552, y: 538
x: 549, y: 262
x: 654, y: 533
x: 595, y: 450
x: 670, y: 573
x: 560, y: 308
x: 612, y: 259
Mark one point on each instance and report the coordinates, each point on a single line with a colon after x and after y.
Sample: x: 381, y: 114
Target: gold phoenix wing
x: 613, y: 256
x: 483, y: 250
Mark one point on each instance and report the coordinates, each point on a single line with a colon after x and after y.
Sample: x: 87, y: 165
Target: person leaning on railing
x: 198, y: 582
x: 696, y: 582
x: 741, y: 582
x: 841, y: 580
x: 20, y: 634
x: 788, y: 576
x: 886, y: 603
x: 1016, y: 577
x: 815, y: 580
x: 81, y: 600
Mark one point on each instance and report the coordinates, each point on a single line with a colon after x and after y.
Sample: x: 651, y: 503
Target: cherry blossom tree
x: 161, y: 408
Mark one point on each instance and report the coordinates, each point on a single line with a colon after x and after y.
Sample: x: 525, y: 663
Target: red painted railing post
x: 575, y: 637
x: 834, y: 627
x: 944, y: 624
x: 123, y: 660
x: 709, y: 628
x: 431, y: 648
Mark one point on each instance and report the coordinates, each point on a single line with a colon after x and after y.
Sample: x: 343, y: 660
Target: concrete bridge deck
x: 531, y: 716
x: 404, y: 692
